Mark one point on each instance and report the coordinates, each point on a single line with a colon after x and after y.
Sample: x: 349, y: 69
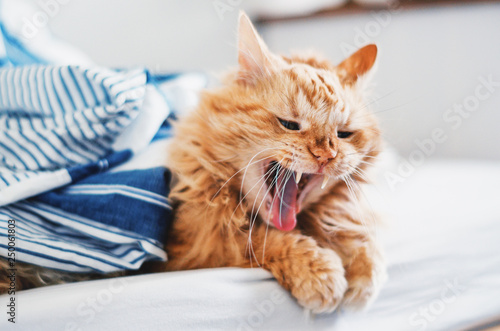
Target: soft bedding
x: 444, y: 273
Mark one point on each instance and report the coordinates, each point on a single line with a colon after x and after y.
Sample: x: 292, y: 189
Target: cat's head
x: 287, y: 120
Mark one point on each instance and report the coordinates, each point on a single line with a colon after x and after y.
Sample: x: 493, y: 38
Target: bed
x: 444, y: 272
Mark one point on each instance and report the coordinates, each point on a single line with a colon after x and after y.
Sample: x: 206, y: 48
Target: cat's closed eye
x: 344, y: 134
x: 290, y: 125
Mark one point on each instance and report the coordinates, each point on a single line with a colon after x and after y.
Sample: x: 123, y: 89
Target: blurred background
x: 438, y: 69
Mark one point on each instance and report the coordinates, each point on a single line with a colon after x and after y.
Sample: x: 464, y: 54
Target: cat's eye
x: 290, y: 125
x: 344, y: 134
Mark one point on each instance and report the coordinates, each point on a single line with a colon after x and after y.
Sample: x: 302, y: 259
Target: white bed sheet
x: 442, y: 246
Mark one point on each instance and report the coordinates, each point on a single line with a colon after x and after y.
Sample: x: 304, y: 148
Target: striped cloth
x: 55, y: 118
x: 62, y: 127
x: 60, y: 230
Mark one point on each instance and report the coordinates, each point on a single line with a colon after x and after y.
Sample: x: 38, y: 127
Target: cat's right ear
x: 254, y: 58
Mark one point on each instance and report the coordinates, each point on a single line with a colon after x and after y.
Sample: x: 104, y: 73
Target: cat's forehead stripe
x: 315, y: 88
x: 325, y: 84
x: 320, y: 90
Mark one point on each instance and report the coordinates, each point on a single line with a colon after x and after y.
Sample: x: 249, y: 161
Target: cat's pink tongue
x: 285, y: 203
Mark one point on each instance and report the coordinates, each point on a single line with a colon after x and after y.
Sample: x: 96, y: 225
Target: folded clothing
x: 106, y: 222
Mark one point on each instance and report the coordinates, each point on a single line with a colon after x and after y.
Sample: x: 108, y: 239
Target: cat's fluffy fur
x: 221, y: 153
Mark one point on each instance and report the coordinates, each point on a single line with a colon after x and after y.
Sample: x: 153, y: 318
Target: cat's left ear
x: 254, y: 58
x: 357, y: 65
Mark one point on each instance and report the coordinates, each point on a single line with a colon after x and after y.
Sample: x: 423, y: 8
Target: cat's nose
x: 323, y: 155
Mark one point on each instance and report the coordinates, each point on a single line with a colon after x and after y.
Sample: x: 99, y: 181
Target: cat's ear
x: 254, y: 58
x: 357, y: 65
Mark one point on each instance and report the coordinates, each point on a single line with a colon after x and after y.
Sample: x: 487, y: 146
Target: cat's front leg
x: 314, y: 275
x: 332, y: 227
x: 365, y: 273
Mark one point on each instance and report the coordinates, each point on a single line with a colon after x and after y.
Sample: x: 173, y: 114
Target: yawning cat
x: 270, y: 168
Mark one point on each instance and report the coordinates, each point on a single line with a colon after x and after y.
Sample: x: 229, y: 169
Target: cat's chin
x: 286, y: 191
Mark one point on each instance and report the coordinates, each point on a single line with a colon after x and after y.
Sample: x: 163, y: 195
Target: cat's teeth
x: 298, y: 176
x: 325, y: 181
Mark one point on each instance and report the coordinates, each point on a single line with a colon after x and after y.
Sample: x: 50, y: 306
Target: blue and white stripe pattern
x: 95, y: 225
x: 57, y: 117
x: 61, y: 128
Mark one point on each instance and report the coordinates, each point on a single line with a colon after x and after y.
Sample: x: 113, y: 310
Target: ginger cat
x: 269, y: 170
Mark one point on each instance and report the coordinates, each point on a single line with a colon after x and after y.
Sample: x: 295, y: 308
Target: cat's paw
x: 366, y: 277
x: 319, y: 285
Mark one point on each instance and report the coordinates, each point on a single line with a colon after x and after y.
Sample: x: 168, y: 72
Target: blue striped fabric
x: 138, y: 198
x: 62, y: 128
x: 54, y: 117
x: 123, y: 228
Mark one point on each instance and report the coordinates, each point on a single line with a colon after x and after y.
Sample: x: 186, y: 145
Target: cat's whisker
x: 353, y: 182
x: 390, y: 108
x: 246, y: 168
x: 264, y: 245
x: 245, y: 173
x: 271, y: 207
x: 377, y: 100
x: 253, y: 218
x: 366, y: 178
x: 399, y: 106
x: 371, y: 213
x: 356, y: 205
x: 372, y: 217
x: 363, y: 154
x: 377, y: 132
x: 237, y: 172
x: 263, y: 178
x: 359, y: 172
x: 366, y: 162
x: 240, y: 203
x: 274, y: 182
x: 347, y: 180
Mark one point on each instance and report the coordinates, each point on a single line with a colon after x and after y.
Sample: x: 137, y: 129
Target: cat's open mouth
x: 286, y: 192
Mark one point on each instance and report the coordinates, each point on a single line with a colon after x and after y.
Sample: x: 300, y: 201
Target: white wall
x: 160, y: 34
